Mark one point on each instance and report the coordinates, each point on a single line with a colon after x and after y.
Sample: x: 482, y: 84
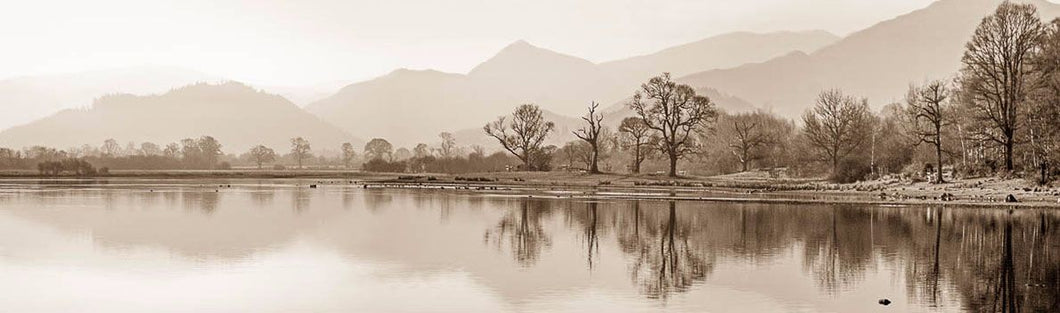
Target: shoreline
x: 982, y: 192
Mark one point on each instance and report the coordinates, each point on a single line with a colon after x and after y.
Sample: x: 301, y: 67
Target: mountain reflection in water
x: 265, y: 246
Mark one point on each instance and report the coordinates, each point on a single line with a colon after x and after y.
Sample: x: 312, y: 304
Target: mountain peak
x: 522, y: 49
x: 519, y: 44
x: 521, y: 56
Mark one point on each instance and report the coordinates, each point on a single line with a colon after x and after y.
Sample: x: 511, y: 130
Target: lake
x: 280, y: 246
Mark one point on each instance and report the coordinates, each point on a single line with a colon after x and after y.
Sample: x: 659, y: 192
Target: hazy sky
x: 275, y: 42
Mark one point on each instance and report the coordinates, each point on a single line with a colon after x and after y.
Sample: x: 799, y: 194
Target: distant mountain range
x: 409, y: 106
x: 780, y: 72
x: 718, y: 52
x: 24, y: 99
x: 237, y: 115
x: 878, y: 62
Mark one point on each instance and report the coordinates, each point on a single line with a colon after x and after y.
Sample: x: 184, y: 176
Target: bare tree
x: 402, y: 154
x: 479, y: 150
x: 189, y: 151
x: 570, y: 152
x: 262, y: 154
x: 927, y: 109
x: 131, y: 149
x: 528, y: 130
x: 590, y: 133
x: 378, y: 148
x: 448, y: 146
x: 675, y: 111
x: 150, y: 149
x: 997, y: 71
x: 748, y: 133
x: 637, y: 137
x: 421, y: 150
x: 210, y: 150
x: 110, y: 148
x: 837, y: 126
x: 300, y: 150
x: 172, y: 150
x: 347, y: 154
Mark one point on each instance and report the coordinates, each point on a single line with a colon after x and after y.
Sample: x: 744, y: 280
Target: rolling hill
x: 24, y: 99
x: 237, y: 115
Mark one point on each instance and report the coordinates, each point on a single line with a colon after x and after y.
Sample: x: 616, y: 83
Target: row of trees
x: 206, y: 153
x: 670, y: 118
x: 445, y: 157
x: 998, y: 115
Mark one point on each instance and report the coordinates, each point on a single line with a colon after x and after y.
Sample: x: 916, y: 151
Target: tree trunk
x: 526, y: 163
x: 594, y: 164
x: 636, y: 159
x: 673, y: 164
x: 1008, y: 152
x: 743, y: 160
x: 938, y: 155
x: 1044, y: 171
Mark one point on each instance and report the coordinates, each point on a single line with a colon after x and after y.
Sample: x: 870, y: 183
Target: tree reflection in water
x: 980, y: 259
x: 521, y: 231
x: 664, y: 262
x: 202, y: 200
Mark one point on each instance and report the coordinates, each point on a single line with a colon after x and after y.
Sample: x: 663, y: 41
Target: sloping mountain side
x: 878, y: 62
x: 235, y: 114
x: 405, y: 106
x: 24, y: 99
x: 718, y: 52
x: 409, y: 106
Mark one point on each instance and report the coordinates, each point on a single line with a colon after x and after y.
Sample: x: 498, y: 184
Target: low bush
x: 851, y: 170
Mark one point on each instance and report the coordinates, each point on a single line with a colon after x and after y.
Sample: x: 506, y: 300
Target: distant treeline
x: 205, y: 153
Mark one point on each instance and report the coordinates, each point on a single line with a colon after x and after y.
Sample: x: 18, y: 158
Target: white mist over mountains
x: 741, y: 71
x: 309, y: 42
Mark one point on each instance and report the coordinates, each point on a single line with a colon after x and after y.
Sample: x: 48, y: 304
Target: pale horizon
x: 324, y: 42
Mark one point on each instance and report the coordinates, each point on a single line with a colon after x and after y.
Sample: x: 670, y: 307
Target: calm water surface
x: 279, y: 246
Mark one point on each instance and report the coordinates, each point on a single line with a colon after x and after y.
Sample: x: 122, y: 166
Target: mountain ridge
x: 519, y: 73
x: 238, y: 115
x: 27, y: 98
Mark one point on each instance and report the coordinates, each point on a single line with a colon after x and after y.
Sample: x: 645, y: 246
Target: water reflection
x: 520, y: 231
x: 453, y: 251
x: 665, y: 262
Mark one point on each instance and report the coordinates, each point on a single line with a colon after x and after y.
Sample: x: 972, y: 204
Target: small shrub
x: 279, y: 167
x: 851, y: 170
x: 224, y: 166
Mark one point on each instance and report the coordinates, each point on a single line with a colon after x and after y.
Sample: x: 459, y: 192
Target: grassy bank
x: 751, y: 186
